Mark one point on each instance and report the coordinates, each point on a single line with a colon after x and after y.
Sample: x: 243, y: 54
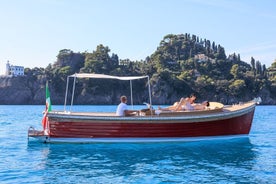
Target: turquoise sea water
x: 245, y: 160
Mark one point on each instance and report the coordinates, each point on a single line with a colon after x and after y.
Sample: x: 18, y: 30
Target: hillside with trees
x: 182, y: 64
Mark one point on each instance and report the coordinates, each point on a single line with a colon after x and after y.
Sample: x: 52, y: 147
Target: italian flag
x: 48, y: 108
x: 48, y: 100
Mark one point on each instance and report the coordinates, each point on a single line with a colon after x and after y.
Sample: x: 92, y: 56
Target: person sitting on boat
x: 177, y: 106
x: 122, y: 108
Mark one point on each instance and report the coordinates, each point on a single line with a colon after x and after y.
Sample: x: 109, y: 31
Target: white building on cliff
x: 14, y: 70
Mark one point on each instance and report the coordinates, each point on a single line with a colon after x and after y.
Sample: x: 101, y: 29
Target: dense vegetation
x: 182, y: 64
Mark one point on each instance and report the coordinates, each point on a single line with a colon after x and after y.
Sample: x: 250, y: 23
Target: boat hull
x: 83, y: 129
x: 144, y: 129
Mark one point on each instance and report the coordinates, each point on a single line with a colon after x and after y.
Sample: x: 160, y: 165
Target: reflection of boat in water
x: 149, y: 125
x: 126, y: 157
x: 219, y: 160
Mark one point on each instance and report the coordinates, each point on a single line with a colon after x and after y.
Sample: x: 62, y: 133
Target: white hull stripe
x: 135, y: 140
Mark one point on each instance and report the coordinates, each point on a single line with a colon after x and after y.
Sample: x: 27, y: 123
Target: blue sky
x: 32, y: 32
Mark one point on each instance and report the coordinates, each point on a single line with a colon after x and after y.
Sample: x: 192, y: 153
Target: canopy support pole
x: 131, y: 97
x: 72, y: 100
x: 150, y: 96
x: 66, y: 93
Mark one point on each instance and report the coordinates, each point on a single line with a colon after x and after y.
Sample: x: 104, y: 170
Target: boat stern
x: 37, y: 135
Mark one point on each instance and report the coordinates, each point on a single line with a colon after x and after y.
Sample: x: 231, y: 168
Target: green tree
x: 235, y: 71
x: 66, y: 57
x: 237, y: 87
x: 99, y: 61
x: 258, y: 67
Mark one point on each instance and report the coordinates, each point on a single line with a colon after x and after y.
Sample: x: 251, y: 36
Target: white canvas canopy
x: 102, y: 76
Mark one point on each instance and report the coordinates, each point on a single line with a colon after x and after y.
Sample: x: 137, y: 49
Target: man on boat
x: 122, y: 108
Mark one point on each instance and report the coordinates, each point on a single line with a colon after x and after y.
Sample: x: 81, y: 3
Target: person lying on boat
x: 177, y: 106
x: 188, y: 107
x: 204, y: 105
x: 187, y: 104
x: 122, y: 109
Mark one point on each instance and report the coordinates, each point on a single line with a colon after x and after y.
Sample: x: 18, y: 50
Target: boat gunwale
x: 189, y: 117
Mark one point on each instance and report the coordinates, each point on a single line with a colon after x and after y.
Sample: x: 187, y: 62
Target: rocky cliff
x: 25, y: 91
x: 21, y: 90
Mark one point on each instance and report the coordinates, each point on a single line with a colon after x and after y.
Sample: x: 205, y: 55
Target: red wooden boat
x: 216, y: 122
